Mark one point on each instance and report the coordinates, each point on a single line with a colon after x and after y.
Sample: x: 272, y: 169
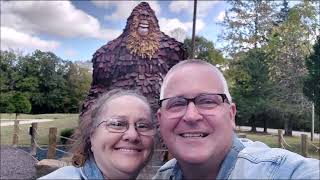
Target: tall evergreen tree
x: 250, y: 85
x: 289, y: 44
x: 247, y: 24
x: 311, y: 87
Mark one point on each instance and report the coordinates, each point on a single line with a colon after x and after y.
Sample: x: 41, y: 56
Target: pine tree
x: 247, y: 24
x: 311, y: 87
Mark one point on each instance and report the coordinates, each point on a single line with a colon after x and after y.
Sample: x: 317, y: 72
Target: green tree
x: 8, y: 78
x: 311, y: 88
x: 205, y: 50
x: 20, y: 104
x: 250, y: 86
x: 51, y: 89
x: 288, y: 46
x: 27, y: 80
x: 78, y: 85
x: 8, y: 69
x: 247, y: 24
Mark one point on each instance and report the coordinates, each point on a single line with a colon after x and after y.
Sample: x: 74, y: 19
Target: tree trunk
x: 265, y: 128
x: 288, y: 125
x: 253, y: 123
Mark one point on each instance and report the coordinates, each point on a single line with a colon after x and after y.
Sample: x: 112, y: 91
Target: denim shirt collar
x: 230, y: 159
x: 227, y: 164
x: 90, y: 169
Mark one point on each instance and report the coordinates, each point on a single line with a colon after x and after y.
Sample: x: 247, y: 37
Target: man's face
x: 195, y: 138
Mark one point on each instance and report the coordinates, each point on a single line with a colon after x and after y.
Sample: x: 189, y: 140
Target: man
x: 197, y: 122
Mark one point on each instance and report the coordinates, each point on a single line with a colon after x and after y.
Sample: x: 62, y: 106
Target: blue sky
x: 74, y: 30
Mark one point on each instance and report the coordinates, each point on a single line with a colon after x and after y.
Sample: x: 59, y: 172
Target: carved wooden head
x: 143, y: 31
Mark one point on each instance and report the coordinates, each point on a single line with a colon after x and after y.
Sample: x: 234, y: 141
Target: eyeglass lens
x: 118, y: 125
x: 177, y: 106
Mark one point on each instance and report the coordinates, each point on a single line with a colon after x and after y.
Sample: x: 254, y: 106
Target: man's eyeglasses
x: 120, y: 125
x: 177, y: 106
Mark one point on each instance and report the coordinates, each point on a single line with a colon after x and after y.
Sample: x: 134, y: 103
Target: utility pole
x: 312, y: 123
x: 194, y: 28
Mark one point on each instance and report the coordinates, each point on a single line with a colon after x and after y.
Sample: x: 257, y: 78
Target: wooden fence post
x: 304, y: 145
x: 15, y: 137
x: 52, y: 143
x: 34, y: 127
x: 280, y: 138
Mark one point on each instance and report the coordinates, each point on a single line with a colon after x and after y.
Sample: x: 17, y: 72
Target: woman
x: 115, y: 139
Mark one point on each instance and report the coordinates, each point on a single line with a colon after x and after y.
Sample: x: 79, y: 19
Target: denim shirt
x: 88, y: 171
x: 254, y: 160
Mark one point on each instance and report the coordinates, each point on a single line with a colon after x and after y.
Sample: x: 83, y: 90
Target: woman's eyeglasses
x: 121, y: 125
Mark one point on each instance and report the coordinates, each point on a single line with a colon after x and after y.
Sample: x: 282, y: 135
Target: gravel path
x: 16, y: 164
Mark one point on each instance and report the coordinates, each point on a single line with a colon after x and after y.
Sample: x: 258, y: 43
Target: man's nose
x: 131, y: 135
x: 192, y: 114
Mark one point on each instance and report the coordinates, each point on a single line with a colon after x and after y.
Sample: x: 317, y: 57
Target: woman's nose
x: 131, y: 135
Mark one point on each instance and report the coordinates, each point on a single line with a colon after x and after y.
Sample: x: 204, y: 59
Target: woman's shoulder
x: 67, y: 172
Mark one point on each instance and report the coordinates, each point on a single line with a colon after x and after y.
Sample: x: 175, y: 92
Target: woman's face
x: 122, y: 155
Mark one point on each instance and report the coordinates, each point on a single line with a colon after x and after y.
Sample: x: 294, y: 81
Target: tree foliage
x: 49, y: 83
x: 311, y: 87
x: 205, y: 50
x: 288, y: 46
x: 250, y: 85
x: 247, y: 24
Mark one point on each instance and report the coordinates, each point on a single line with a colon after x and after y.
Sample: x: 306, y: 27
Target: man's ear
x: 232, y: 114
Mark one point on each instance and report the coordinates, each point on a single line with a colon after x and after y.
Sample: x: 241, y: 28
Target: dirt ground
x: 16, y: 164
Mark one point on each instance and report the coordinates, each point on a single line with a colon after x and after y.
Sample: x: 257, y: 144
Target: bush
x: 66, y: 133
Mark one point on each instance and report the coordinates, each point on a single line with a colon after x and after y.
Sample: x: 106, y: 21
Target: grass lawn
x: 62, y: 121
x: 293, y: 142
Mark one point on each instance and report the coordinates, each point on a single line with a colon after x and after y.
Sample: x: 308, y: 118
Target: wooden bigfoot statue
x: 138, y: 59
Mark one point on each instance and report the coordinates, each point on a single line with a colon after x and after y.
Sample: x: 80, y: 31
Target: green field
x: 293, y: 142
x: 62, y: 121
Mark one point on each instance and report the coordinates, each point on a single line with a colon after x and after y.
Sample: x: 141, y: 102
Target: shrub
x: 66, y: 133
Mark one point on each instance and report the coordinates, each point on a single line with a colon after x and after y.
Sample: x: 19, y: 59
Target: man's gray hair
x: 199, y: 62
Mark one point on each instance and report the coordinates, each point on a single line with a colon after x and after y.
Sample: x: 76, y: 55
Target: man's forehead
x: 192, y: 69
x: 192, y: 75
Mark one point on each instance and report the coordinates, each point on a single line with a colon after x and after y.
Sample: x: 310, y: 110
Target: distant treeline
x: 41, y: 82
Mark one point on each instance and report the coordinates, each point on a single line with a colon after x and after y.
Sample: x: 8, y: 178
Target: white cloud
x: 220, y: 16
x: 203, y: 7
x: 10, y: 38
x: 167, y: 25
x: 59, y: 18
x: 123, y: 9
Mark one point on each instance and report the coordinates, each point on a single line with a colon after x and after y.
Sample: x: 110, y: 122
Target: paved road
x: 275, y: 131
x: 9, y: 122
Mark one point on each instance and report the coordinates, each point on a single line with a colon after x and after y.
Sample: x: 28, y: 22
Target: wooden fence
x: 52, y: 144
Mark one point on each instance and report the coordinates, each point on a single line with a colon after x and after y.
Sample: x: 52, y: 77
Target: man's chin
x: 192, y: 158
